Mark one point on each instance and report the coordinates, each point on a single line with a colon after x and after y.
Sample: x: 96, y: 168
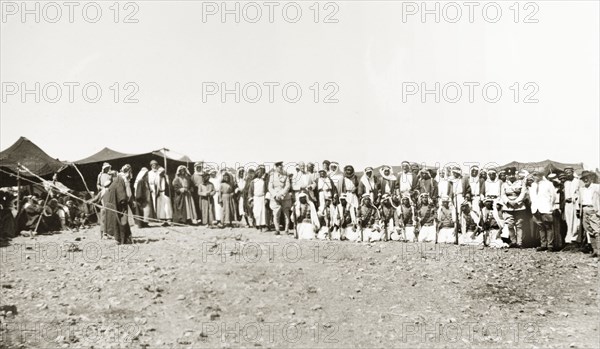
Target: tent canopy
x: 91, y: 166
x: 105, y: 154
x: 26, y: 153
x: 545, y: 166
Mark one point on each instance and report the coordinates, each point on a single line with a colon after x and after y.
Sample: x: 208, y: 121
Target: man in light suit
x: 543, y: 195
x: 281, y: 198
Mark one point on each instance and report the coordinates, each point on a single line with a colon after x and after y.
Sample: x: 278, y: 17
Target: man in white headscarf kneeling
x: 306, y: 218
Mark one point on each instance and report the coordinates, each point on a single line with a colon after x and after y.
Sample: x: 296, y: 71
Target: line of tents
x: 26, y: 153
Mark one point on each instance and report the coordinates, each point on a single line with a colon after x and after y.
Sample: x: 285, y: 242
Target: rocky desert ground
x: 196, y: 287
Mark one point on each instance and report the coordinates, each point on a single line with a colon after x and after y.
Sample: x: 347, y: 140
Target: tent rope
x: 101, y: 206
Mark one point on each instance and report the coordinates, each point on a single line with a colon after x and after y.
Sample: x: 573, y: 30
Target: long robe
x: 183, y: 205
x: 164, y: 208
x: 116, y: 221
x: 257, y: 191
x: 227, y: 203
x: 207, y: 202
x: 143, y: 199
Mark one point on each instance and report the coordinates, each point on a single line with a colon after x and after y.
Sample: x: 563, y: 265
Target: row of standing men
x: 339, y: 204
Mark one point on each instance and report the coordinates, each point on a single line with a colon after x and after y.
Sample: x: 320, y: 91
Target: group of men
x: 483, y: 207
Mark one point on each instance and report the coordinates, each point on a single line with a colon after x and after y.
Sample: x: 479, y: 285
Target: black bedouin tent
x: 25, y: 153
x: 91, y: 166
x: 545, y: 166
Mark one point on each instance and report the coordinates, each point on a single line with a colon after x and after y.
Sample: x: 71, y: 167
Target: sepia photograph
x: 299, y: 174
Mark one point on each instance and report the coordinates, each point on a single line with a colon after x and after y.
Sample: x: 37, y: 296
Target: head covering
x: 279, y: 163
x: 456, y: 170
x: 384, y: 197
x: 302, y: 195
x: 369, y: 169
x: 488, y: 199
x: 153, y: 162
x: 140, y: 175
x: 106, y: 165
x: 445, y: 198
x: 343, y: 197
x: 491, y: 170
x: 198, y: 164
x: 300, y: 164
x: 524, y: 173
x: 322, y: 170
x: 181, y: 167
x: 389, y: 177
x: 349, y: 167
x: 126, y: 168
x: 587, y: 174
x: 569, y: 168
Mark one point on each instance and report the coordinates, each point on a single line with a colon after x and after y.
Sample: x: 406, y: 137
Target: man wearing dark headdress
x: 427, y: 185
x: 226, y: 199
x: 350, y: 185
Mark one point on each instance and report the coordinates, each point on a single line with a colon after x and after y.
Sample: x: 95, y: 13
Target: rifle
x: 295, y: 222
x: 456, y: 225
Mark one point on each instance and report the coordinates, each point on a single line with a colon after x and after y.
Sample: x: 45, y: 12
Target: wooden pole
x: 18, y: 189
x: 164, y: 151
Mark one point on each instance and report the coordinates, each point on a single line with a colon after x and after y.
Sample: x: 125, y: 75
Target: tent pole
x: 164, y: 151
x: 18, y: 189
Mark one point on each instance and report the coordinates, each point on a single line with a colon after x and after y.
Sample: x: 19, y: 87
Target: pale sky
x: 369, y: 54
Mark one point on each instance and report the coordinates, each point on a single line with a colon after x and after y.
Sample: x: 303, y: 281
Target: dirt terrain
x: 226, y: 288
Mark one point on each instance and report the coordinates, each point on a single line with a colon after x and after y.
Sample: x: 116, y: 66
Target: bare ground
x: 197, y: 288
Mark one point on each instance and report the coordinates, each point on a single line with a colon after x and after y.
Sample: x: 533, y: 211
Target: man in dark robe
x: 144, y: 208
x: 116, y: 201
x: 184, y: 209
